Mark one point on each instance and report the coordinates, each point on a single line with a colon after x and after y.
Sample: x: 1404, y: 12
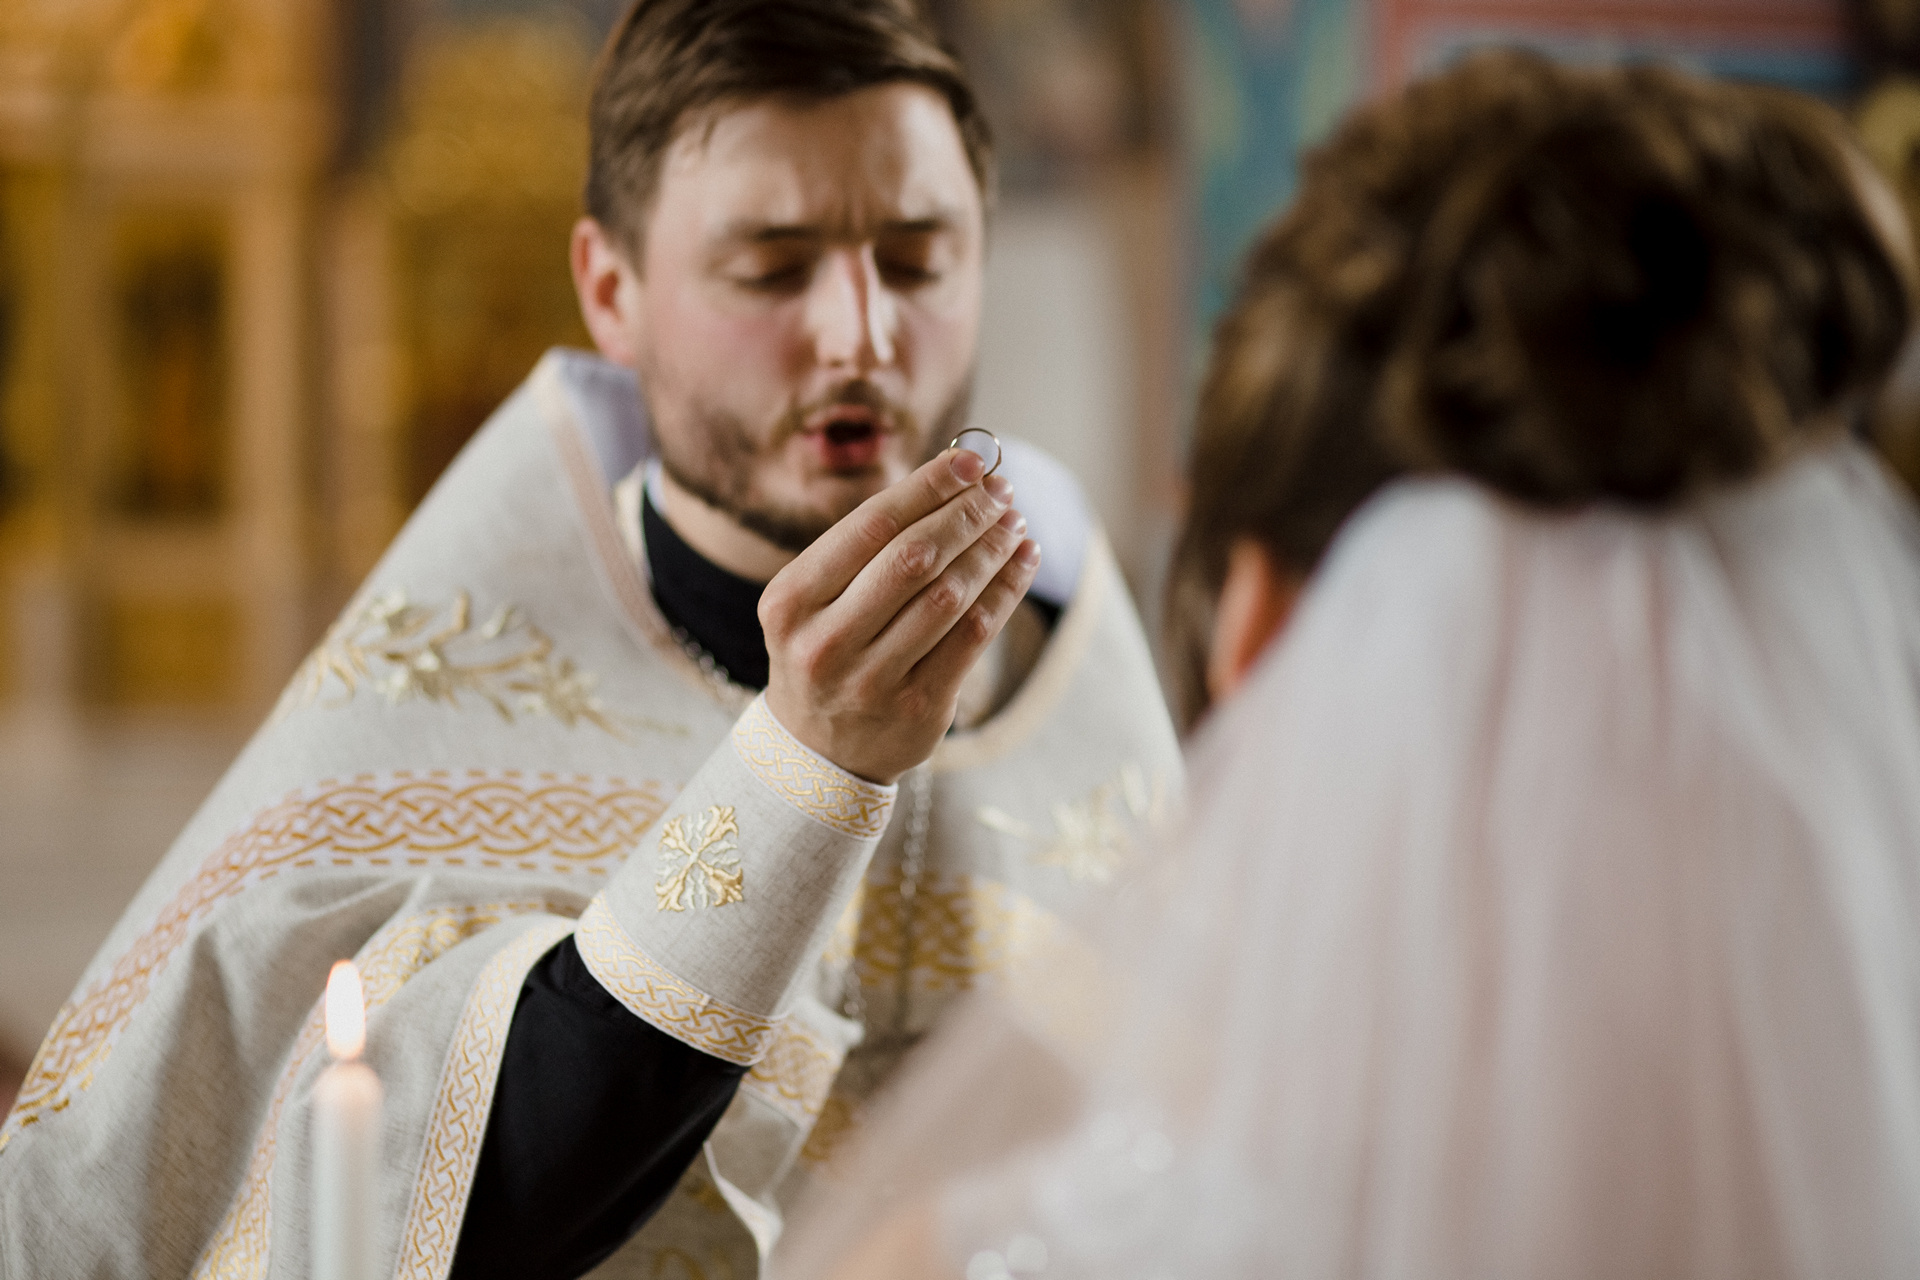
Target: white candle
x: 346, y: 1138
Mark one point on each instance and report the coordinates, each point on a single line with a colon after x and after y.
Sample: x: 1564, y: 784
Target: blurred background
x: 266, y: 264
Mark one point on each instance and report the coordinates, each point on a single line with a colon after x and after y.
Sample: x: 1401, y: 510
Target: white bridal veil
x: 1547, y: 906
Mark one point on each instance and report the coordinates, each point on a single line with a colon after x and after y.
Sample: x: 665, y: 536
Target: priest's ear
x: 1255, y: 601
x: 609, y: 291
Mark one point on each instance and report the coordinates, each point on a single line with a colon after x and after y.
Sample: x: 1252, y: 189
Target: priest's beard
x: 721, y: 474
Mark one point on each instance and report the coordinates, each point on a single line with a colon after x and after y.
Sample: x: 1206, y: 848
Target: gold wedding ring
x: 998, y: 452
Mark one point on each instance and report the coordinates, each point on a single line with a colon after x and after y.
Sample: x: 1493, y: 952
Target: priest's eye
x: 912, y: 259
x: 791, y: 278
x: 906, y: 273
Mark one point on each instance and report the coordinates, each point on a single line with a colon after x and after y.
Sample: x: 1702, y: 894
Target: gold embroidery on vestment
x: 505, y: 821
x: 697, y: 871
x: 1091, y: 837
x: 706, y: 1195
x: 405, y: 651
x: 810, y: 784
x: 837, y: 1122
x: 458, y: 1121
x: 666, y: 1259
x: 797, y: 1073
x: 658, y: 997
x: 241, y: 1248
x: 965, y: 928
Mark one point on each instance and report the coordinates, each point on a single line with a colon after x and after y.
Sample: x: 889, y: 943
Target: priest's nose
x: 851, y: 312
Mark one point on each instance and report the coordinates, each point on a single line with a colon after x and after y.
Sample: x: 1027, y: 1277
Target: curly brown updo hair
x: 1572, y: 285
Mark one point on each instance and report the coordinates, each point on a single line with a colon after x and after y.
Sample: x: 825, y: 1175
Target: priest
x: 711, y: 724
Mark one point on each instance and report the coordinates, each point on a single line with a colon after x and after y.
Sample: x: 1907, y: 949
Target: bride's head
x: 1571, y: 285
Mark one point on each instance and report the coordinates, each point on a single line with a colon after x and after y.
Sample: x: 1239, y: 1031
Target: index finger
x: 826, y: 568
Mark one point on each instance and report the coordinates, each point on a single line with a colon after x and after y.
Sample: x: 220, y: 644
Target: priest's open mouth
x: 846, y: 437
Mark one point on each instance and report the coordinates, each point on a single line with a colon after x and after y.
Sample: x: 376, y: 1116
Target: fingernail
x: 999, y: 488
x: 1013, y: 522
x: 967, y: 465
x: 1028, y: 555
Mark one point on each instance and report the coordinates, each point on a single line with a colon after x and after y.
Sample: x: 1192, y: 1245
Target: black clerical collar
x: 720, y: 610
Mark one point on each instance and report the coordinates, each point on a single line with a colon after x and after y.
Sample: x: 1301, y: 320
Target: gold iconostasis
x: 157, y: 166
x: 230, y: 360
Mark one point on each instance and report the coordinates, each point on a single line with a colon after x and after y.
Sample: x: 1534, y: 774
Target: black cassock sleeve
x: 595, y: 1117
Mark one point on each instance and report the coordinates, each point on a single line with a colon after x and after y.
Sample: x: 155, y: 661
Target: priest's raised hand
x: 872, y: 629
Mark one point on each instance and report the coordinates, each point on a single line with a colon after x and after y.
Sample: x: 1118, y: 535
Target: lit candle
x: 346, y: 1138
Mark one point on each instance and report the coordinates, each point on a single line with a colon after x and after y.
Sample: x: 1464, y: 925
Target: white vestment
x: 500, y: 744
x: 1548, y: 906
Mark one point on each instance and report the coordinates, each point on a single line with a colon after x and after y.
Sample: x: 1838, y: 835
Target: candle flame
x: 346, y: 1012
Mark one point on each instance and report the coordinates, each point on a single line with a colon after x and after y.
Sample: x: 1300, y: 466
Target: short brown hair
x: 1572, y: 285
x: 669, y: 60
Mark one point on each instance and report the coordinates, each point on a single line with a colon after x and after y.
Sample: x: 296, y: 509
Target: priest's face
x: 805, y: 310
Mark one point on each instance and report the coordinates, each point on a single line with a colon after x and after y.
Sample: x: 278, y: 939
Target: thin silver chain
x: 710, y: 667
x: 913, y: 862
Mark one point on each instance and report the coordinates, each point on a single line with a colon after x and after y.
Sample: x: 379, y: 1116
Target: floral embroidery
x: 1091, y: 837
x: 405, y: 651
x: 699, y: 872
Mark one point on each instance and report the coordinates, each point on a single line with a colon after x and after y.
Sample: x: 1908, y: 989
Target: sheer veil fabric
x: 1547, y: 904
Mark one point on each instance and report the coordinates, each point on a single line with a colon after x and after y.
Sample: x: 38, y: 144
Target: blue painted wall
x: 1263, y: 79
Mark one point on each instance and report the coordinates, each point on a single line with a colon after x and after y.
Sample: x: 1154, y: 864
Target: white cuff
x: 708, y: 929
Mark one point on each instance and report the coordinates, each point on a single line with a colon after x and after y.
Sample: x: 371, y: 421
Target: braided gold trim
x: 241, y: 1248
x: 459, y: 1119
x: 966, y: 928
x: 797, y: 1074
x: 390, y: 823
x: 658, y: 997
x: 819, y: 789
